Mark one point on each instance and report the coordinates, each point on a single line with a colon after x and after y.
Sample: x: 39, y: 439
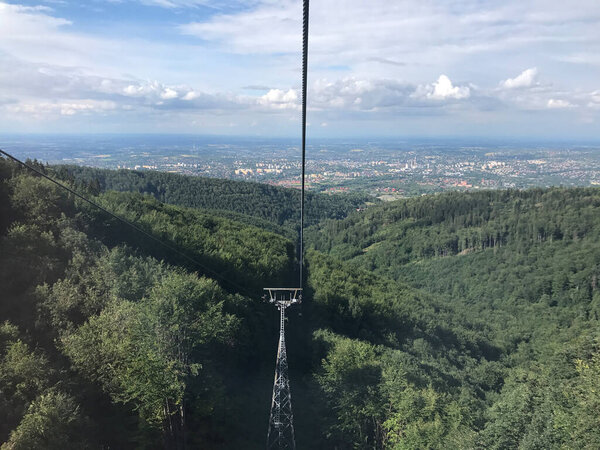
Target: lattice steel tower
x: 281, y: 420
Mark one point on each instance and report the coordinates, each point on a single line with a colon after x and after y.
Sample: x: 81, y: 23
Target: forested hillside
x: 262, y: 202
x: 457, y: 321
x: 525, y: 263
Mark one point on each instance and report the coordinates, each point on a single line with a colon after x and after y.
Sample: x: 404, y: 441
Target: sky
x: 380, y: 68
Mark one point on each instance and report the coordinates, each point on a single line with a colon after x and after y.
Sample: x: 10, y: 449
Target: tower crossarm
x: 287, y: 296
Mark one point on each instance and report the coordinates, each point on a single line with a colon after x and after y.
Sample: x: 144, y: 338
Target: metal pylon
x: 281, y: 420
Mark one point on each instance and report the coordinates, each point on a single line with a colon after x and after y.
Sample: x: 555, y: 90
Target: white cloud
x: 150, y: 90
x: 442, y: 89
x: 38, y: 35
x: 559, y: 104
x: 23, y: 9
x: 525, y: 79
x: 47, y: 110
x: 579, y: 57
x: 172, y: 4
x: 169, y: 94
x: 38, y: 89
x: 33, y: 34
x: 353, y: 94
x: 525, y: 92
x: 133, y: 90
x: 280, y: 99
x: 191, y: 95
x: 412, y: 32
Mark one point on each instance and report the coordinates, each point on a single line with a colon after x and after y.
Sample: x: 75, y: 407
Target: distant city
x: 387, y: 169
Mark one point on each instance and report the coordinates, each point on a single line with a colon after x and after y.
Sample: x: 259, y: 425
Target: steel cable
x: 304, y: 81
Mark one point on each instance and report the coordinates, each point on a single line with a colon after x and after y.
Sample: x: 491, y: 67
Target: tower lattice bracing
x: 281, y: 421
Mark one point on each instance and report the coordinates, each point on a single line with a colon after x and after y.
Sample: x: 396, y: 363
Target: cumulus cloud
x: 191, y: 95
x: 354, y: 94
x: 525, y: 79
x: 442, y: 89
x: 133, y: 90
x: 559, y: 104
x: 44, y: 90
x: 150, y: 91
x: 525, y: 92
x: 169, y: 93
x: 280, y: 99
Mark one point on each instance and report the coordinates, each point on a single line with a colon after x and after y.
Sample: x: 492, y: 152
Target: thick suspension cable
x: 304, y: 81
x: 127, y: 222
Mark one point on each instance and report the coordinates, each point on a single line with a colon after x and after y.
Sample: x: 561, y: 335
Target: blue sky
x: 377, y: 68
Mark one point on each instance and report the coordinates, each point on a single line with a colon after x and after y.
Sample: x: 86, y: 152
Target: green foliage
x: 38, y: 201
x: 92, y: 281
x: 148, y: 351
x: 587, y: 410
x: 24, y: 374
x: 425, y: 419
x: 399, y: 386
x: 577, y: 417
x: 230, y: 250
x: 350, y: 381
x: 387, y: 236
x: 53, y: 422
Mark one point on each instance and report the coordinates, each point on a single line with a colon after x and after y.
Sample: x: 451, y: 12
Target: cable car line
x: 304, y: 80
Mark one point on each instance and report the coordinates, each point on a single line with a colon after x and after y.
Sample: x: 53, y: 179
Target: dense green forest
x: 526, y: 264
x: 259, y: 204
x: 448, y: 321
